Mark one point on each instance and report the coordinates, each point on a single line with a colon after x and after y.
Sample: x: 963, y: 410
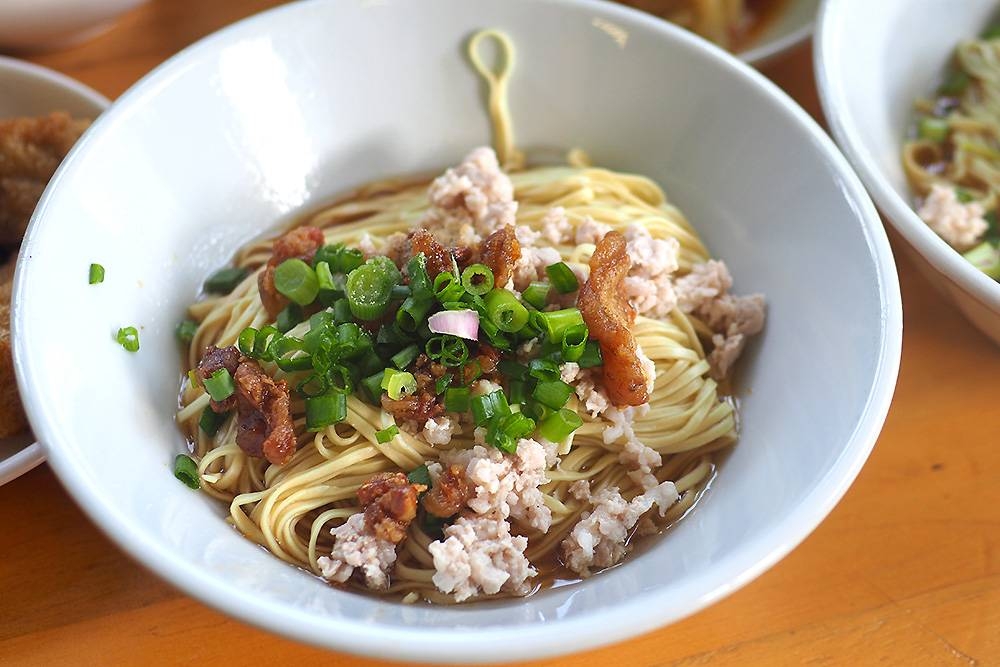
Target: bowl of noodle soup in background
x: 871, y: 69
x: 754, y: 30
x: 270, y: 119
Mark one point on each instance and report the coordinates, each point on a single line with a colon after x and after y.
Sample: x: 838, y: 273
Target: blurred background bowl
x: 30, y: 90
x: 873, y: 61
x: 39, y: 25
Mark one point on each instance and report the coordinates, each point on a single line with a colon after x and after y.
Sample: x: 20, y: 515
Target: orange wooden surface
x: 906, y: 570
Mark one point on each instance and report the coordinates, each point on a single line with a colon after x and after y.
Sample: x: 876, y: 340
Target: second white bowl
x: 873, y: 60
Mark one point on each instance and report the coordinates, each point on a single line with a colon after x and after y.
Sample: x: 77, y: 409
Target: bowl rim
x: 830, y: 83
x: 32, y: 454
x: 537, y: 640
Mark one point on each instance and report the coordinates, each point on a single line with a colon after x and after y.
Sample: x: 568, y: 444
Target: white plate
x: 284, y: 110
x: 30, y: 90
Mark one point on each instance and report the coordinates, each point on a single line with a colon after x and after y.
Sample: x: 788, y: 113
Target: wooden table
x: 906, y: 570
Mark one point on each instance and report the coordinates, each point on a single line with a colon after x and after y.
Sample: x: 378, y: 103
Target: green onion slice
x: 505, y: 311
x: 186, y: 470
x: 225, y: 281
x: 220, y: 385
x: 128, y: 338
x: 562, y: 278
x: 536, y: 295
x: 398, y: 383
x: 387, y: 434
x: 322, y: 411
x: 297, y: 281
x: 186, y: 330
x: 369, y: 287
x: 477, y: 279
x: 96, y: 274
x: 559, y: 425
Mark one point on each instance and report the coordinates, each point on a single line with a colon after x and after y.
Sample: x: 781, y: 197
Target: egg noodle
x: 967, y: 156
x: 290, y: 509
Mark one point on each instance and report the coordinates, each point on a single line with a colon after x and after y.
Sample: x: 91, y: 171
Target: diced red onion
x: 461, y: 323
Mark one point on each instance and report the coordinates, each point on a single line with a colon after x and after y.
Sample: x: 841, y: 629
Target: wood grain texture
x: 906, y: 570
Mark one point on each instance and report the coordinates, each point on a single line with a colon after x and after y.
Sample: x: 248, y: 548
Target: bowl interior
x: 285, y: 110
x: 872, y: 63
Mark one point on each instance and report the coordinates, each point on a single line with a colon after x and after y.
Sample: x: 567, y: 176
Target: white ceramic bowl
x: 36, y: 25
x: 30, y: 90
x: 791, y: 27
x: 281, y: 112
x: 872, y: 61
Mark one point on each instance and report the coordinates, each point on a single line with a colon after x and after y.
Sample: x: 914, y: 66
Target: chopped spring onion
x: 96, y: 274
x: 986, y: 258
x: 289, y: 317
x: 477, y: 279
x: 954, y: 85
x: 128, y: 337
x: 933, y: 129
x: 512, y: 369
x: 211, y: 421
x: 544, y: 370
x: 220, y: 386
x: 225, y: 280
x: 443, y: 382
x: 462, y: 323
x: 558, y: 425
x: 457, y: 399
x: 342, y: 311
x: 518, y: 390
x: 315, y: 384
x: 420, y: 475
x: 562, y: 278
x: 186, y: 330
x: 552, y: 394
x: 340, y: 259
x: 535, y: 410
x: 412, y: 312
x: 262, y: 342
x: 448, y: 350
x: 324, y: 276
x: 297, y: 281
x: 186, y: 470
x: 405, y: 357
x: 503, y: 432
x: 399, y: 292
x: 398, y: 383
x: 387, y: 434
x: 414, y: 309
x: 373, y: 386
x: 556, y: 322
x: 391, y: 334
x: 485, y: 407
x: 505, y: 311
x: 448, y: 287
x: 591, y: 356
x: 574, y: 342
x: 963, y: 196
x: 536, y: 295
x: 322, y: 411
x: 246, y: 340
x: 369, y: 287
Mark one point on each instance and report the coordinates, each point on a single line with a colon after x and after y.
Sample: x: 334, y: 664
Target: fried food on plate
x: 30, y: 151
x: 12, y: 420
